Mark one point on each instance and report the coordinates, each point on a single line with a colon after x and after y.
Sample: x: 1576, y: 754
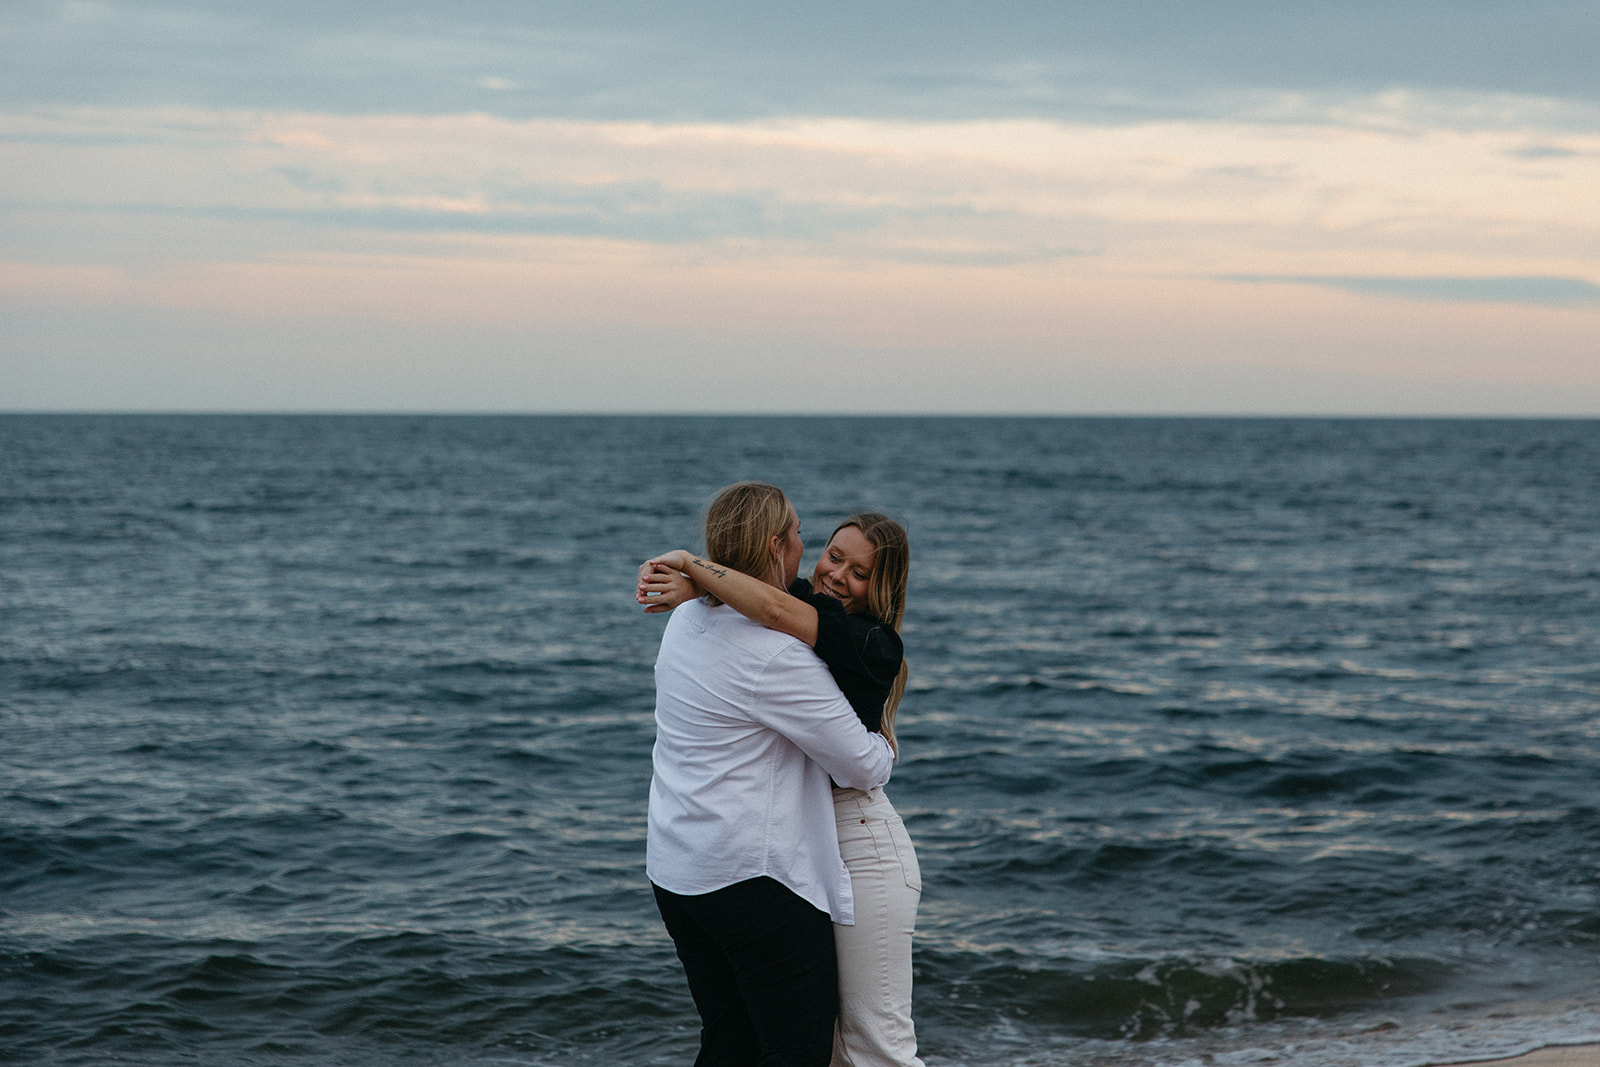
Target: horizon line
x: 482, y: 413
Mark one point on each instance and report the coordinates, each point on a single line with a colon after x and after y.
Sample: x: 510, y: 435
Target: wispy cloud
x: 1532, y: 291
x: 1542, y: 151
x: 1203, y: 198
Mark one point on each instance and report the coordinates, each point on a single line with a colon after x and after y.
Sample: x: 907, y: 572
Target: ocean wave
x: 1172, y: 997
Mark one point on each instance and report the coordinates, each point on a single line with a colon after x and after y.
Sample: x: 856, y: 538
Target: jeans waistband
x: 858, y: 800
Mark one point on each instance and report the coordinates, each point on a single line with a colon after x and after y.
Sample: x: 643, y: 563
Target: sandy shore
x: 1570, y: 1056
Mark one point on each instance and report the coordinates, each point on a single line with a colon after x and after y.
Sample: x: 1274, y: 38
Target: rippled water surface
x: 327, y: 739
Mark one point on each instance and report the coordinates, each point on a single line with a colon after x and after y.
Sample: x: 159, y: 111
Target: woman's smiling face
x: 845, y: 570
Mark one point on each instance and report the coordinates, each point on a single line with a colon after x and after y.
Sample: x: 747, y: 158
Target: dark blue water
x: 326, y: 740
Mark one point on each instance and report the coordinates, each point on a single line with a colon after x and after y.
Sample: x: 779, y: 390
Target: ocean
x: 1228, y: 741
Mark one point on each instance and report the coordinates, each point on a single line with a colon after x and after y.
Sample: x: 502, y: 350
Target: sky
x: 1256, y: 207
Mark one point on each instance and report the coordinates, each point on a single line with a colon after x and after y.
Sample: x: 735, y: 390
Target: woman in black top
x: 850, y: 613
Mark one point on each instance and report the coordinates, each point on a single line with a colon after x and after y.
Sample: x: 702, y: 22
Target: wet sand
x: 1569, y: 1056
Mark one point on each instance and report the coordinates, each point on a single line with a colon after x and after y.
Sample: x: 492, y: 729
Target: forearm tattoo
x: 720, y: 572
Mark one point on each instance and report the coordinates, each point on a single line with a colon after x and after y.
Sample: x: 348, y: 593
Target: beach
x: 1567, y: 1056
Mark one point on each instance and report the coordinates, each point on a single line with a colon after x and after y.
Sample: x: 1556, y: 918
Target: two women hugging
x: 782, y: 872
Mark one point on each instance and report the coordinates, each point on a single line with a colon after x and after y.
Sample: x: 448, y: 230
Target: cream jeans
x: 875, y: 1027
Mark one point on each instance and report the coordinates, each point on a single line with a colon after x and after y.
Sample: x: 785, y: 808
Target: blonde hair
x: 886, y: 593
x: 741, y: 522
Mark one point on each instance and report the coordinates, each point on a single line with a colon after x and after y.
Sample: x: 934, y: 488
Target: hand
x: 662, y: 588
x: 677, y: 559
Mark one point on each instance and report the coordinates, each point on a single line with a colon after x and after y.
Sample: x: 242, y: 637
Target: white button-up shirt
x: 749, y: 728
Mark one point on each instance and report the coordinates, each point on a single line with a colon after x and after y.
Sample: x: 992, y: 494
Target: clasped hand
x: 662, y: 585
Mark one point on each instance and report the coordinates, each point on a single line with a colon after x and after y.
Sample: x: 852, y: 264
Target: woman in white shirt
x: 741, y: 848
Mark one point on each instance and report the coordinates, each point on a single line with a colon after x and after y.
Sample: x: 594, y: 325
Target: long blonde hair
x: 886, y: 593
x: 741, y: 522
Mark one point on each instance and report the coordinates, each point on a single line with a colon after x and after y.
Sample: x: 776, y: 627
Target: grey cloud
x: 649, y: 211
x: 81, y: 140
x: 311, y: 181
x: 722, y: 60
x: 1541, y: 151
x: 1535, y: 291
x: 636, y: 211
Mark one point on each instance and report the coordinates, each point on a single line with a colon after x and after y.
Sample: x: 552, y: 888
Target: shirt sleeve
x: 862, y: 654
x: 800, y: 701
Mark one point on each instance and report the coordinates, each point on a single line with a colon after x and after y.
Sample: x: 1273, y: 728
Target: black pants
x: 762, y: 971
